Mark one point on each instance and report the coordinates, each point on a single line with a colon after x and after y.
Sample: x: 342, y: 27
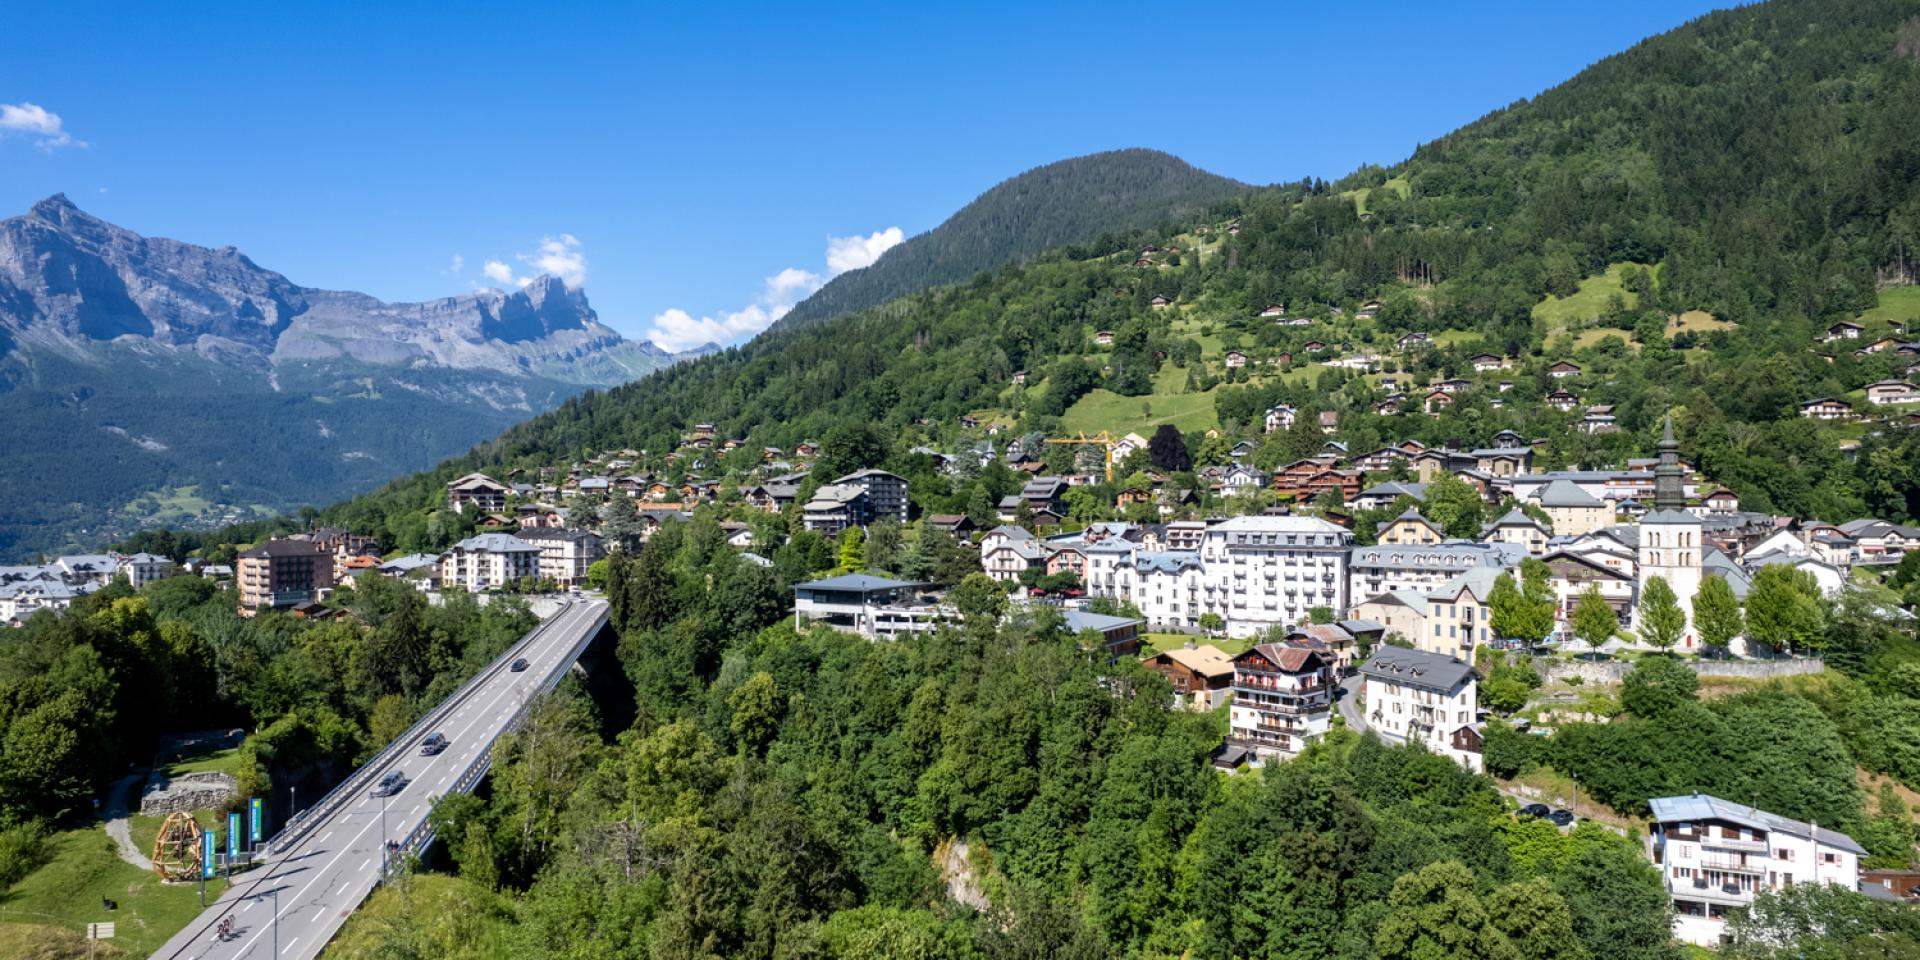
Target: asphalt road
x: 313, y: 886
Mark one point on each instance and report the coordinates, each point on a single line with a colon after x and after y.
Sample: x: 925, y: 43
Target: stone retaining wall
x: 189, y: 791
x: 1614, y: 671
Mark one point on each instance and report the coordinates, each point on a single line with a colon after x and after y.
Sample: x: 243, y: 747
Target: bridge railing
x: 301, y: 823
x: 421, y: 836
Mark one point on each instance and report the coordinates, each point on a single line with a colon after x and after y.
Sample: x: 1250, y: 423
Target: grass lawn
x: 1106, y: 410
x: 1896, y: 303
x: 1698, y: 321
x: 1587, y: 338
x: 66, y: 894
x: 1586, y: 303
x: 204, y: 759
x: 1161, y: 642
x: 1398, y: 185
x: 32, y: 941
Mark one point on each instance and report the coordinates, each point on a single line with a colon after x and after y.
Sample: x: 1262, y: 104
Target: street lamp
x: 276, y: 921
x: 383, y: 836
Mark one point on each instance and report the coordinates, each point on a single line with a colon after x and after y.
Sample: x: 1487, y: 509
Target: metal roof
x: 1701, y: 806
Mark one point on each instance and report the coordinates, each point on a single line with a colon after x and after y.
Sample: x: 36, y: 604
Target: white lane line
x: 363, y: 864
x: 326, y: 836
x: 289, y: 946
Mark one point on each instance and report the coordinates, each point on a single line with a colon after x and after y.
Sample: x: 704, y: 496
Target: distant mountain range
x: 146, y: 380
x: 1066, y: 202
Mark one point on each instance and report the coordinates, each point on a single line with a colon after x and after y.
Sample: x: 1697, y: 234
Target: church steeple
x: 1669, y: 487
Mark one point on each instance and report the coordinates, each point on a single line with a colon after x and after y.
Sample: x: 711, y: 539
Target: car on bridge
x: 390, y: 784
x: 518, y: 665
x: 433, y: 744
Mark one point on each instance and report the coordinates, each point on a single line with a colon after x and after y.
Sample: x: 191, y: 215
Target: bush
x: 23, y: 848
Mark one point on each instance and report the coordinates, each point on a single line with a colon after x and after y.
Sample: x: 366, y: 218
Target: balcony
x: 1730, y: 843
x: 1731, y: 894
x: 1735, y: 865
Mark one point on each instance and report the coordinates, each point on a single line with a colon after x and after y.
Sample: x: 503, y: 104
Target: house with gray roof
x: 1415, y: 696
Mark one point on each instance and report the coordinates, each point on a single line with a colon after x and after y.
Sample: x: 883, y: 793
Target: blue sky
x: 690, y: 164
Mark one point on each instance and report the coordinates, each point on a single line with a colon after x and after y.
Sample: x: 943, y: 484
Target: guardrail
x: 301, y: 823
x: 421, y: 836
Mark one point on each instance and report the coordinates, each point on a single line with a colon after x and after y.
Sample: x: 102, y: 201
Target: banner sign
x: 254, y: 807
x: 206, y: 855
x: 233, y: 835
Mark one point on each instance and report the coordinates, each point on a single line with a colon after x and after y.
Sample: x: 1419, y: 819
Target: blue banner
x: 206, y: 855
x: 233, y: 835
x: 253, y: 819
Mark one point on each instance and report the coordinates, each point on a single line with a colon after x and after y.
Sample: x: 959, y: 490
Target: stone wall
x: 189, y: 791
x: 1614, y: 671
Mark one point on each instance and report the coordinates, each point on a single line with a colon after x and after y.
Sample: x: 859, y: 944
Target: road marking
x: 363, y: 864
x: 289, y: 945
x: 327, y: 836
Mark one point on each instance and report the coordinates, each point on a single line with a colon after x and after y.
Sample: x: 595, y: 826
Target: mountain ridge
x: 116, y: 349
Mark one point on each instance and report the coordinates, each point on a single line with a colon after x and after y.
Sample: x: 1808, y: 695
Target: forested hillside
x: 1070, y: 201
x: 1763, y: 225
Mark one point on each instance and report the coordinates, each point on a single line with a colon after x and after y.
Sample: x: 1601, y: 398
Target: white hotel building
x: 1255, y: 572
x: 1714, y: 855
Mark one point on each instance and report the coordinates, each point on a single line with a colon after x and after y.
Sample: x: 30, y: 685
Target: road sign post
x: 98, y: 931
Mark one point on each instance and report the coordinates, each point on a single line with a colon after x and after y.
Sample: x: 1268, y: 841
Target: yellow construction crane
x: 1104, y: 440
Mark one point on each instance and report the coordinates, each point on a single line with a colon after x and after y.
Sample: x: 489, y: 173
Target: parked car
x: 519, y: 665
x: 1534, y: 811
x: 433, y: 744
x: 1561, y: 818
x: 390, y: 784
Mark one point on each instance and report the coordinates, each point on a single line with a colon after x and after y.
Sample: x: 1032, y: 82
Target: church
x: 1671, y: 537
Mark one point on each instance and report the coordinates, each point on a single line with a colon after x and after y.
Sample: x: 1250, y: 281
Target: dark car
x: 519, y: 665
x: 390, y: 784
x: 1534, y: 811
x: 433, y: 744
x: 1560, y: 818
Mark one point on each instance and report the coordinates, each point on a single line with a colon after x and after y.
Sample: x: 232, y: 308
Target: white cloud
x: 852, y: 253
x: 36, y: 121
x: 459, y: 263
x: 559, y: 257
x: 676, y: 329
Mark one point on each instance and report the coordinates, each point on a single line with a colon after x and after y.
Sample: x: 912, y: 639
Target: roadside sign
x: 207, y: 851
x: 254, y: 806
x: 233, y: 835
x: 99, y: 931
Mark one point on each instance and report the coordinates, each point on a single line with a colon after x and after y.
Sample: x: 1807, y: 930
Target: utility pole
x: 276, y: 921
x: 383, y: 837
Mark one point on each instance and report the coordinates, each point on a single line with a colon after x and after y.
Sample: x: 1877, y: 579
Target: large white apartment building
x: 565, y: 555
x: 1255, y: 572
x: 488, y: 560
x: 1715, y: 855
x: 1282, y: 698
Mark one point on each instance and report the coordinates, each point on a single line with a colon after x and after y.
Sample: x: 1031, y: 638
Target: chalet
x: 1518, y: 528
x: 1329, y: 421
x: 1563, y: 369
x: 1414, y: 340
x: 1233, y: 226
x: 969, y: 421
x: 1880, y: 345
x: 1503, y: 461
x: 1509, y: 438
x: 1390, y: 407
x: 1382, y: 460
x: 1019, y: 378
x: 1242, y: 480
x: 1282, y: 359
x: 1160, y: 302
x: 1721, y: 500
x: 1599, y: 419
x: 1826, y: 408
x: 1453, y: 385
x: 1272, y: 311
x: 1563, y: 400
x: 1143, y: 261
x: 1385, y: 494
x: 1367, y: 310
x: 1200, y: 674
x: 1236, y: 359
x: 1892, y: 391
x: 1281, y: 699
x: 1242, y: 450
x: 952, y: 524
x: 1279, y: 418
x: 1714, y: 856
x: 807, y: 450
x: 1486, y: 361
x: 1436, y: 401
x: 1313, y: 346
x: 1844, y: 330
x: 1103, y: 338
x: 479, y: 491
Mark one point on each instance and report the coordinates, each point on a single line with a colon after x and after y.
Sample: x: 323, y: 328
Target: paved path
x: 300, y: 896
x: 1349, y: 700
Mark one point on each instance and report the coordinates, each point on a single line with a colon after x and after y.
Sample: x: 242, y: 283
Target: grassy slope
x: 66, y: 893
x: 1896, y: 303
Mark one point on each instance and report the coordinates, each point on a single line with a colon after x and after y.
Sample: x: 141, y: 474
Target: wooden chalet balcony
x: 1735, y: 865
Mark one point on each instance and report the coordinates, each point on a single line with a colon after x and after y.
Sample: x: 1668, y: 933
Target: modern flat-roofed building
x: 1715, y: 855
x: 874, y: 607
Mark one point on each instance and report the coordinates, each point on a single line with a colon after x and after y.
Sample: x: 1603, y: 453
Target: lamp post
x: 276, y: 921
x: 383, y: 836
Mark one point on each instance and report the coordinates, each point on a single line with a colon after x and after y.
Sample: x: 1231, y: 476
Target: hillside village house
x: 1378, y: 569
x: 1281, y: 699
x: 1714, y: 856
x: 479, y: 492
x: 1279, y: 418
x: 281, y: 573
x: 1563, y: 369
x: 1201, y: 675
x: 1844, y: 330
x: 1410, y: 528
x: 1892, y: 391
x: 1572, y: 510
x: 1413, y: 696
x: 1459, y: 616
x: 488, y: 561
x: 1103, y: 338
x: 1401, y: 613
x: 1519, y: 529
x: 1826, y: 408
x: 1236, y: 359
x: 1563, y: 400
